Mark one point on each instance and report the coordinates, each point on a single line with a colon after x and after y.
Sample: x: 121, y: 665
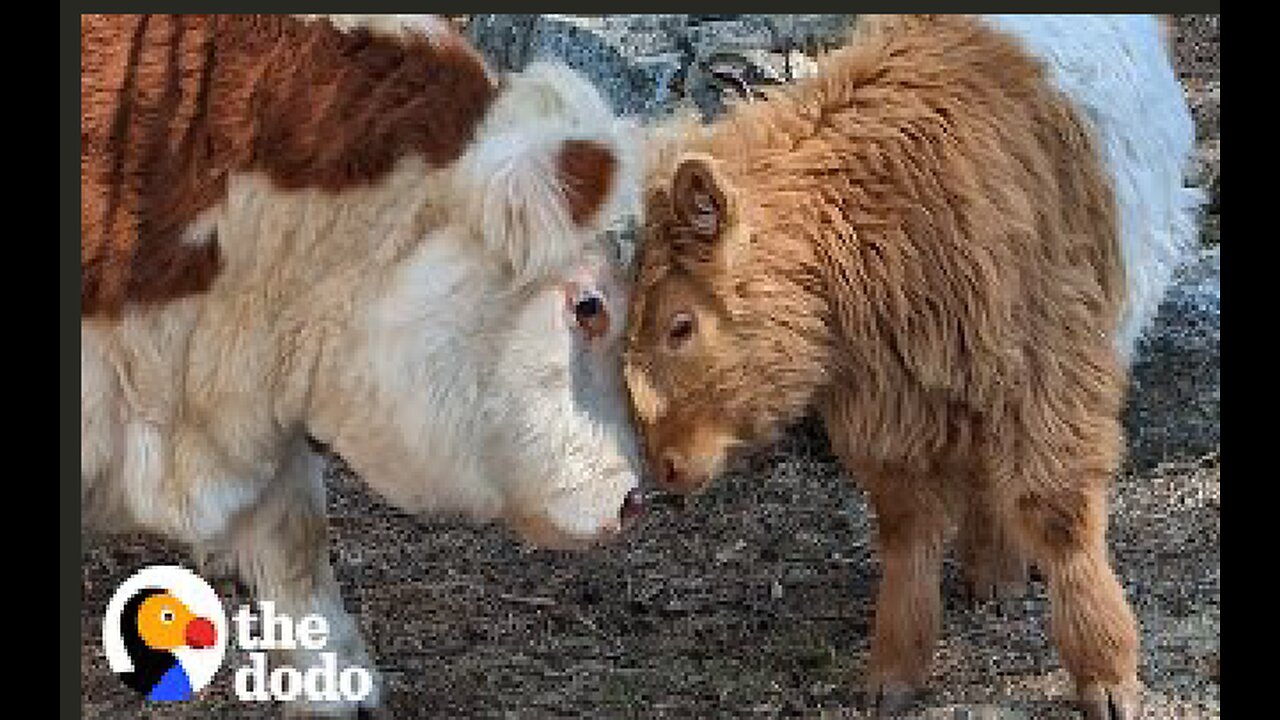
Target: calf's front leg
x: 911, y: 521
x: 910, y: 530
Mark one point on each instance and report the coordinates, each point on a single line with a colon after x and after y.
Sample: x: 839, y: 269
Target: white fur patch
x: 203, y: 229
x: 1116, y: 70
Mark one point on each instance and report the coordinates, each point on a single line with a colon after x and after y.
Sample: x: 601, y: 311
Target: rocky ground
x: 755, y: 600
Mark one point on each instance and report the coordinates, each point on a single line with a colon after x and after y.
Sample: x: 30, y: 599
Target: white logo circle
x: 199, y: 663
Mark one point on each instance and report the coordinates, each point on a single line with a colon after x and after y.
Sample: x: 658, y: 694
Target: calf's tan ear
x: 700, y: 198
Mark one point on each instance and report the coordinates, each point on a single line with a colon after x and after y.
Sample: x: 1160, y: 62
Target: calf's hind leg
x: 1055, y: 498
x: 995, y: 566
x: 279, y: 546
x: 1093, y: 626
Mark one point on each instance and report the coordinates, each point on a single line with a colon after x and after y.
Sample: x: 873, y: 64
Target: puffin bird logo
x: 164, y: 633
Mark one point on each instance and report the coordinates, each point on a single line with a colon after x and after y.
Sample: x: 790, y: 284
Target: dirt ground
x: 753, y: 600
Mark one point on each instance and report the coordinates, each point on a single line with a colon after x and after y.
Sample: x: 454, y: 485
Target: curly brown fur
x: 920, y: 243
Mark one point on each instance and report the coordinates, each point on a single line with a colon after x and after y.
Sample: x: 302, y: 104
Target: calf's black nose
x: 632, y: 506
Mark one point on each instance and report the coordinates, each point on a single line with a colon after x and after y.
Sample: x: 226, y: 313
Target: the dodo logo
x: 164, y: 632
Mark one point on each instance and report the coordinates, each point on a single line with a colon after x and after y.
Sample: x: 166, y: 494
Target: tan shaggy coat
x: 921, y: 242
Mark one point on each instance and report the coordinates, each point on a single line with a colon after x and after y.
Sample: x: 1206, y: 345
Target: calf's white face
x: 483, y: 374
x: 460, y: 393
x: 563, y: 447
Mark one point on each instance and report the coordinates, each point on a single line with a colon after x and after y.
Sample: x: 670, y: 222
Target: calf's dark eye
x: 587, y: 308
x: 591, y: 315
x: 680, y: 330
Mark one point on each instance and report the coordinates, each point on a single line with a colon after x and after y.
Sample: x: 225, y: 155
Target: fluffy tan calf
x: 945, y: 243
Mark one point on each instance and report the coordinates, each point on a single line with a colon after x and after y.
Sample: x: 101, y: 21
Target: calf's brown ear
x: 586, y: 171
x: 700, y: 198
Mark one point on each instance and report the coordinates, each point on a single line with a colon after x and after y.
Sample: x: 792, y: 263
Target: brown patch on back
x: 170, y: 105
x: 586, y: 172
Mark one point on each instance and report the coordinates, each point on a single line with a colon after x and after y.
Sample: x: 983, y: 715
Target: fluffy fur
x: 1110, y: 66
x: 928, y: 243
x: 513, y: 185
x: 172, y: 105
x: 397, y: 319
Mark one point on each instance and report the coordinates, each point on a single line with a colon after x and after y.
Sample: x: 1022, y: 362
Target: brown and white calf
x: 351, y: 229
x: 946, y: 243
